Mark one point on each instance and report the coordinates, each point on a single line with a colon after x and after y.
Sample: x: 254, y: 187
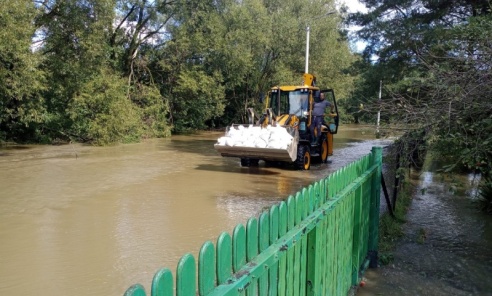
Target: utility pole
x: 379, y: 110
x: 308, y: 29
x: 307, y: 50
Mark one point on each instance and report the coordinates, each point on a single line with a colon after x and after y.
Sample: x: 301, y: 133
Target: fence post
x: 377, y: 159
x: 357, y: 231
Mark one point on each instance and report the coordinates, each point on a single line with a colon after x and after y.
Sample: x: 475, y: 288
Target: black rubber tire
x: 245, y: 162
x: 249, y: 162
x: 275, y: 164
x: 303, y: 161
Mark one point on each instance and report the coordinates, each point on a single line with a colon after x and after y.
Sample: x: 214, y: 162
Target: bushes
x: 102, y: 114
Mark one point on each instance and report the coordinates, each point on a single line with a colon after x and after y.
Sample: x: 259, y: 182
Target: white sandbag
x: 275, y: 137
x: 222, y: 141
x: 230, y: 142
x: 265, y: 137
x: 274, y: 145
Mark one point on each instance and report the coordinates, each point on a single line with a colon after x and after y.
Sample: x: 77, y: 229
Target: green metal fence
x: 318, y: 242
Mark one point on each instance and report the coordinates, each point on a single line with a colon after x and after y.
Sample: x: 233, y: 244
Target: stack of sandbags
x: 275, y: 137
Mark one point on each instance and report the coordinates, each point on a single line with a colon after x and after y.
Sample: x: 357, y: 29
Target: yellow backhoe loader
x: 288, y: 112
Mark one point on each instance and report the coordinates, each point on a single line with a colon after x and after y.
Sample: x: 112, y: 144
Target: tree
x: 21, y: 80
x: 187, y: 64
x: 74, y: 48
x: 82, y: 55
x: 434, y: 58
x: 222, y: 39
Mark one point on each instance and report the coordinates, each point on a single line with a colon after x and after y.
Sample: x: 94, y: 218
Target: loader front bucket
x: 289, y: 154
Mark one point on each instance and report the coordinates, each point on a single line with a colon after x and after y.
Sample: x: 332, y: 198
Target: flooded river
x: 82, y: 220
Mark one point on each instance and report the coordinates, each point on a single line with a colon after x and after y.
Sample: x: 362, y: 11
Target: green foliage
x: 485, y: 195
x: 255, y: 45
x: 197, y: 98
x: 435, y: 67
x: 465, y: 128
x: 102, y: 115
x: 86, y: 99
x: 106, y: 71
x: 21, y: 81
x: 412, y: 148
x: 153, y: 110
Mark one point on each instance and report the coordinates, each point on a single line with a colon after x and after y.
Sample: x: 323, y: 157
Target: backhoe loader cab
x: 290, y: 108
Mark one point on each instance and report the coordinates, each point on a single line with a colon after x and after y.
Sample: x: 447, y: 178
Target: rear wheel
x: 303, y: 161
x: 248, y: 162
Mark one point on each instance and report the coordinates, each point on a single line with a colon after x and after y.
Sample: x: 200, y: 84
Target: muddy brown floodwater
x: 82, y: 220
x: 447, y: 243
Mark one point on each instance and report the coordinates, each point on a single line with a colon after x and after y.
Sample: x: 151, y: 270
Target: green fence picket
x: 282, y: 218
x: 305, y: 193
x: 282, y: 264
x: 238, y: 247
x: 297, y: 264
x: 135, y: 290
x: 302, y: 256
x: 264, y: 243
x: 206, y: 269
x: 252, y: 239
x: 357, y: 234
x: 186, y: 276
x: 291, y: 216
x: 274, y: 230
x: 312, y: 199
x: 224, y: 258
x: 274, y: 223
x: 252, y: 251
x: 300, y: 206
x: 331, y: 254
x: 162, y: 283
x: 291, y: 211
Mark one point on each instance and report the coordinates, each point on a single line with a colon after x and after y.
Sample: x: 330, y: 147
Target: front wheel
x: 245, y: 162
x: 323, y: 155
x: 303, y: 161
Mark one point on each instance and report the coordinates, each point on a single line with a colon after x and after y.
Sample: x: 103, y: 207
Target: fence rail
x: 318, y: 242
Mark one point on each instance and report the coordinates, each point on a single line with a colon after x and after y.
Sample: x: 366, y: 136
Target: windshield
x: 291, y: 102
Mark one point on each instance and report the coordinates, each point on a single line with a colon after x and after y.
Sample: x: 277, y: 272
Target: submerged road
x: 83, y: 220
